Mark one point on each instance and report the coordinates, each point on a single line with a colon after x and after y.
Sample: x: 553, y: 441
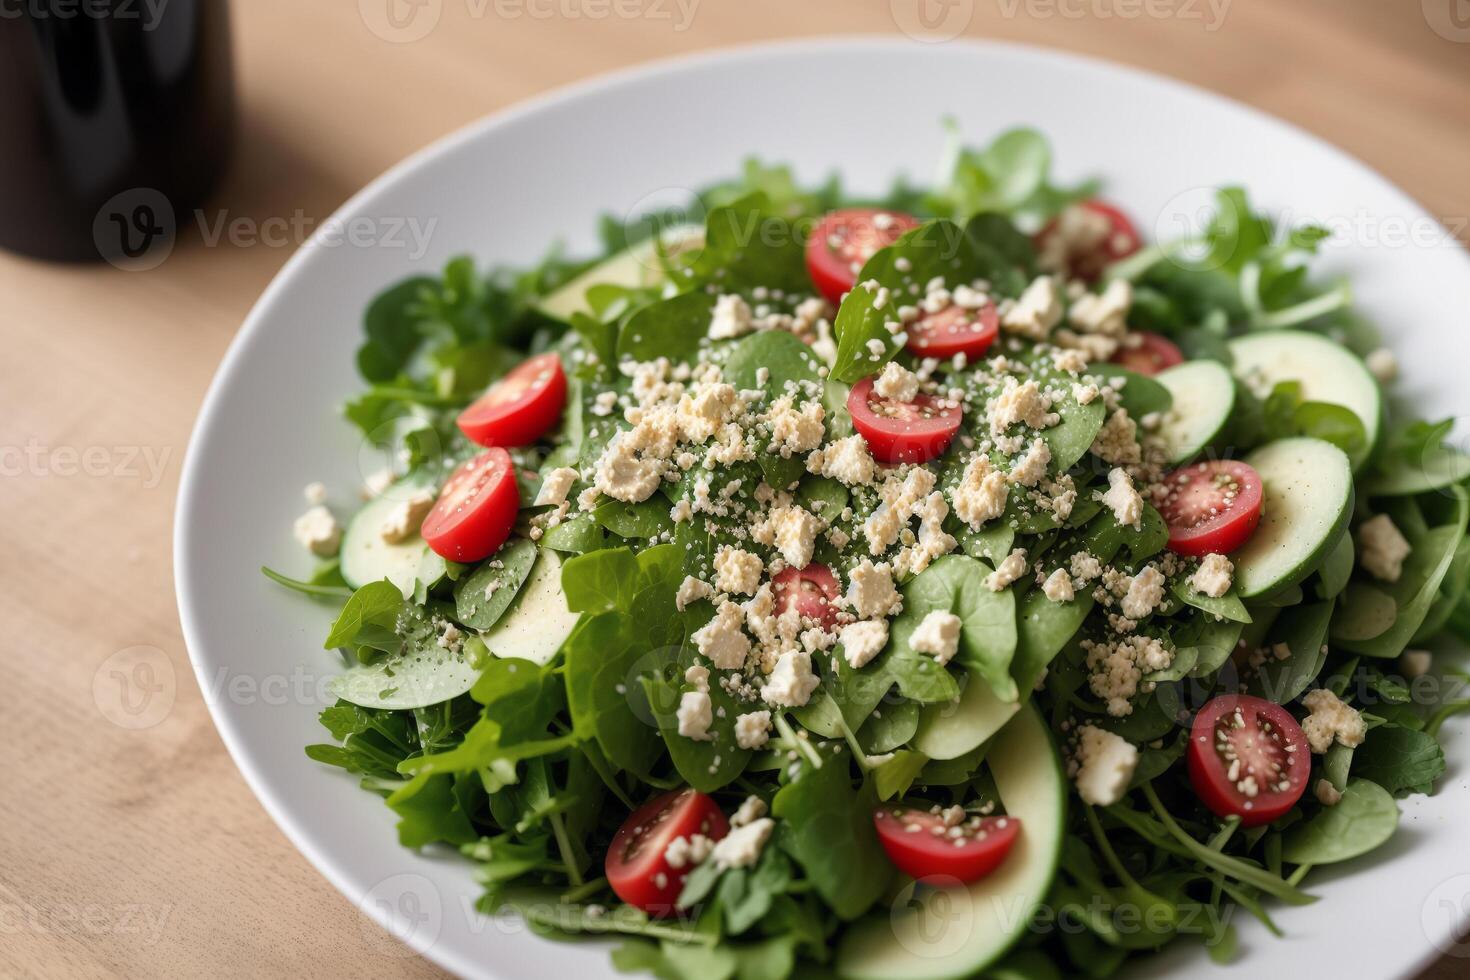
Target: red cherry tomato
x: 844, y: 240
x: 520, y: 407
x: 636, y: 867
x: 475, y: 510
x: 1088, y: 245
x: 968, y: 851
x: 812, y: 590
x: 903, y: 432
x: 1153, y: 355
x: 1211, y: 507
x: 954, y: 330
x: 1248, y: 758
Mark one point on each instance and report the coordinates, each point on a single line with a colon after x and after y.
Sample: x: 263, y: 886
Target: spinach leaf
x: 671, y: 328
x: 705, y: 765
x: 1363, y: 819
x: 747, y: 245
x: 1400, y: 760
x: 1303, y: 629
x: 1337, y: 568
x: 645, y: 519
x: 956, y: 584
x: 1043, y: 628
x: 786, y: 360
x: 829, y: 832
x: 1139, y: 394
x: 482, y: 597
x: 1227, y: 606
x: 375, y: 604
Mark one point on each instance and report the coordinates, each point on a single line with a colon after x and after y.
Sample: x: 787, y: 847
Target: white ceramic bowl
x: 506, y: 188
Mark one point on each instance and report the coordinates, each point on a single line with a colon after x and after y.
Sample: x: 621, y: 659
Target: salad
x: 942, y: 585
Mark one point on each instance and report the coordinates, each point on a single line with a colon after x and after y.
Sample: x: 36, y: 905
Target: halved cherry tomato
x: 1211, y: 507
x: 475, y: 510
x: 636, y: 865
x: 844, y: 240
x: 903, y: 432
x: 922, y: 844
x: 1248, y: 758
x: 1087, y: 245
x: 954, y: 330
x: 1152, y: 355
x: 812, y: 590
x: 518, y: 408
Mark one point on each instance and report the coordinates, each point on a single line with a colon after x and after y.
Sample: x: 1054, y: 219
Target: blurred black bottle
x: 115, y: 116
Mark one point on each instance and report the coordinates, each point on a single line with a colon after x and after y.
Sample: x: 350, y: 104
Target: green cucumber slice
x: 1204, y: 401
x: 635, y: 266
x: 366, y: 557
x: 538, y: 622
x: 1308, y: 488
x: 949, y: 729
x: 1327, y: 371
x: 942, y: 933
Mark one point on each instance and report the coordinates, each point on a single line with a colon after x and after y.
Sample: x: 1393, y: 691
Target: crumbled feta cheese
x: 406, y: 516
x: 623, y: 474
x: 791, y: 683
x: 688, y: 851
x: 1214, y: 576
x: 377, y: 482
x: 793, y: 531
x: 1008, y: 571
x: 937, y: 634
x: 1105, y: 764
x: 795, y: 430
x: 682, y: 511
x: 1036, y: 312
x: 897, y: 382
x: 1382, y: 364
x: 1058, y: 586
x: 981, y: 493
x: 1326, y: 793
x: 721, y: 639
x: 318, y: 531
x: 731, y: 318
x: 742, y: 846
x: 1030, y: 468
x: 862, y: 641
x: 1085, y: 567
x: 1103, y: 313
x: 695, y: 715
x: 845, y: 460
x: 1117, y: 666
x: 1023, y: 402
x: 1078, y: 230
x: 1117, y: 440
x: 315, y: 493
x: 752, y: 729
x: 1382, y: 548
x: 1070, y: 361
x: 1145, y: 592
x: 737, y: 571
x: 870, y: 590
x: 749, y: 811
x: 554, y: 486
x: 1122, y: 499
x: 1331, y: 721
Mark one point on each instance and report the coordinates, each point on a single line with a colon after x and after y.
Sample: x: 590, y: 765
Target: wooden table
x: 140, y: 852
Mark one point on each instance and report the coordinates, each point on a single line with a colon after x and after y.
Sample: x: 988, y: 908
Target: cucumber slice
x: 634, y: 266
x: 1204, y: 401
x: 941, y: 933
x: 1308, y: 489
x: 949, y: 729
x: 366, y: 557
x: 1327, y: 371
x: 538, y: 622
x: 424, y: 676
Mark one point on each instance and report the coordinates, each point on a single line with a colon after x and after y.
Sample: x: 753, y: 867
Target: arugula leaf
x: 429, y: 812
x: 829, y: 832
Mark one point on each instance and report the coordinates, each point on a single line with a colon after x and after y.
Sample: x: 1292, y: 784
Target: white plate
x: 507, y: 188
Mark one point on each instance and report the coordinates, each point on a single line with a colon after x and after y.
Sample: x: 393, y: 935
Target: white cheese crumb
x: 793, y: 531
x: 792, y: 682
x: 742, y: 846
x: 938, y: 634
x: 795, y: 430
x: 752, y: 729
x: 318, y: 531
x: 1105, y: 765
x: 1331, y: 720
x: 1103, y: 313
x: 1122, y: 499
x: 1214, y: 576
x: 1008, y: 571
x: 731, y: 318
x: 737, y: 571
x: 981, y: 493
x: 749, y: 811
x: 1036, y: 312
x: 1382, y: 548
x: 845, y: 460
x: 1382, y: 364
x: 1058, y: 586
x: 554, y: 486
x: 1030, y: 468
x: 1327, y: 793
x: 897, y: 383
x: 862, y: 641
x: 721, y: 639
x: 1145, y: 592
x: 695, y: 715
x: 406, y: 516
x: 1022, y: 402
x: 377, y: 482
x: 870, y: 589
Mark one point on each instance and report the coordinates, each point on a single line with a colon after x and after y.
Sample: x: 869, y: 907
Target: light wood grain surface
x: 140, y: 852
